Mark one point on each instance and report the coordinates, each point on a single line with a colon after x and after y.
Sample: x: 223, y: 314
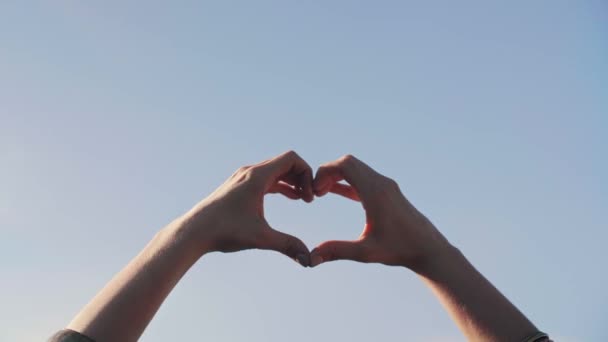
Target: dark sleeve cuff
x: 68, y: 335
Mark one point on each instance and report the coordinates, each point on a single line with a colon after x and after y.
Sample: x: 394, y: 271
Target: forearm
x: 229, y: 220
x: 481, y: 312
x: 124, y: 307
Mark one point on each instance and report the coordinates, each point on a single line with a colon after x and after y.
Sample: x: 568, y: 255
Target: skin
x: 397, y: 234
x: 232, y: 219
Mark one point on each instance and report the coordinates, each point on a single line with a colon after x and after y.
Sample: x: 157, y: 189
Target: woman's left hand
x: 232, y: 217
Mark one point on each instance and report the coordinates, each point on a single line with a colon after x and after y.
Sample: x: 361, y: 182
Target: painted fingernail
x: 315, y: 260
x: 302, y: 260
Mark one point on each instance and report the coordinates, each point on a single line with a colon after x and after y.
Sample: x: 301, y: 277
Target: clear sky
x: 115, y: 117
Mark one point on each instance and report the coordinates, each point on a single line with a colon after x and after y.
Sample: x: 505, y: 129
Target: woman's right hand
x: 395, y: 232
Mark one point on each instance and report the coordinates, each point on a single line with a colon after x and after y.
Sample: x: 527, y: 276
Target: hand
x: 395, y: 232
x: 232, y: 217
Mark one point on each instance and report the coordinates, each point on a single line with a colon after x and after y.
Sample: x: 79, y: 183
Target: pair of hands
x: 232, y: 219
x: 395, y: 232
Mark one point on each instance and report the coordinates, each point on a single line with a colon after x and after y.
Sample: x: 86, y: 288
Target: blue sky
x: 115, y: 117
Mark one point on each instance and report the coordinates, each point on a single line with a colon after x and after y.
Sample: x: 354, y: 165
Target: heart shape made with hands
x: 395, y: 233
x: 328, y: 178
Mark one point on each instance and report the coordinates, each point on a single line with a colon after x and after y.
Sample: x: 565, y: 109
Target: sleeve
x: 68, y: 335
x: 538, y: 337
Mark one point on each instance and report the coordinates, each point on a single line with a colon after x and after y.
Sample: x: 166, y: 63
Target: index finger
x: 291, y: 168
x: 347, y: 168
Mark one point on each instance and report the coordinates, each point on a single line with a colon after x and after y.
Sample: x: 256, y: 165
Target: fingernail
x: 302, y: 260
x: 315, y: 260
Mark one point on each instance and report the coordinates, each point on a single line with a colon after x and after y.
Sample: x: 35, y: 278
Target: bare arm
x: 481, y: 312
x: 397, y: 234
x: 124, y: 307
x: 229, y: 220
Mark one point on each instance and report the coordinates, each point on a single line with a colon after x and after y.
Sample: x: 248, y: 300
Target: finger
x: 345, y: 190
x: 286, y: 190
x: 286, y: 244
x: 347, y: 168
x: 293, y: 181
x: 338, y: 250
x: 291, y: 168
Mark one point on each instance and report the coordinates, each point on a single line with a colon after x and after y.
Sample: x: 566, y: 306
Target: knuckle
x: 253, y: 171
x: 323, y: 169
x: 243, y: 169
x: 254, y: 177
x: 291, y: 154
x: 239, y: 173
x: 246, y: 173
x: 382, y: 193
x: 391, y: 183
x: 347, y: 158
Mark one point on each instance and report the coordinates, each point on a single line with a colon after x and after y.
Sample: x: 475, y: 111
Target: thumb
x: 338, y: 250
x: 286, y: 244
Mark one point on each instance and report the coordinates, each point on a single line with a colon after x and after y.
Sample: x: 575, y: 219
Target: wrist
x: 186, y: 232
x: 440, y: 259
